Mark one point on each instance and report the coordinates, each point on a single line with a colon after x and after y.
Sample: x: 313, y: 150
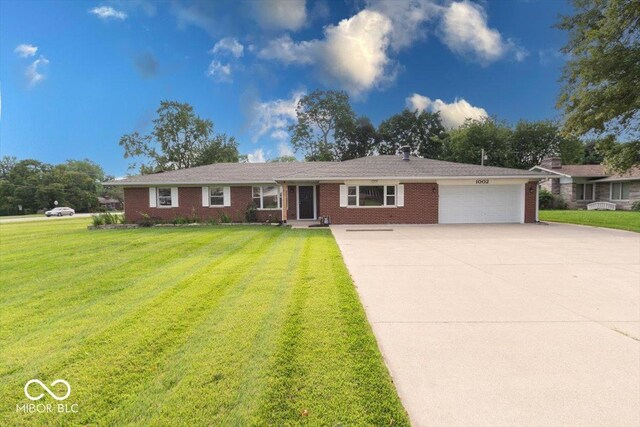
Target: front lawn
x: 623, y: 220
x: 186, y: 326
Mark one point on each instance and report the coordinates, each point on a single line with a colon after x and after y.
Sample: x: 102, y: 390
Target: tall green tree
x: 533, y: 141
x: 465, y: 144
x: 179, y: 139
x: 421, y: 130
x: 359, y: 138
x: 602, y: 76
x: 591, y: 155
x: 322, y: 117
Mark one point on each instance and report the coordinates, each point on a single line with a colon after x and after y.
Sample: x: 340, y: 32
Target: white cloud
x: 107, y: 12
x: 353, y: 53
x: 257, y: 156
x: 33, y: 72
x: 25, y: 50
x: 284, y: 49
x: 220, y: 72
x: 280, y: 14
x: 284, y: 149
x: 453, y: 115
x: 273, y: 117
x: 465, y: 31
x: 407, y: 18
x: 228, y: 44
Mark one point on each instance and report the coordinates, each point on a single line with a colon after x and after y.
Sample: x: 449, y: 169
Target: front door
x: 305, y: 202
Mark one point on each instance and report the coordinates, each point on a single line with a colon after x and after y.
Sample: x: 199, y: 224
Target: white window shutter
x: 226, y: 192
x: 400, y: 201
x: 174, y: 197
x: 343, y: 196
x: 152, y: 197
x: 205, y: 196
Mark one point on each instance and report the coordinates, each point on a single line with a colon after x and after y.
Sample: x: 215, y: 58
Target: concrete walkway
x: 534, y: 325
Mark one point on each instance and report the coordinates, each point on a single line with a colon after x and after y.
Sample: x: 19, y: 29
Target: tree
x: 619, y: 157
x: 7, y: 163
x: 533, y: 141
x: 180, y: 139
x: 284, y: 159
x: 221, y: 149
x: 571, y: 150
x: 320, y: 117
x: 421, y: 130
x: 465, y: 143
x: 602, y: 76
x: 591, y: 156
x: 357, y: 139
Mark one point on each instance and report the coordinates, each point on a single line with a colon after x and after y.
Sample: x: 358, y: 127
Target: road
x: 44, y: 218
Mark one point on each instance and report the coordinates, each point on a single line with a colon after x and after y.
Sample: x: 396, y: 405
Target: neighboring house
x: 368, y: 190
x: 579, y: 185
x: 110, y: 204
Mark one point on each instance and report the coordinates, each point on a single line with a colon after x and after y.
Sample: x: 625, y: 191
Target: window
x: 267, y: 197
x: 619, y: 191
x: 216, y: 195
x: 164, y: 196
x: 584, y: 191
x: 371, y: 195
x: 391, y: 195
x: 352, y: 196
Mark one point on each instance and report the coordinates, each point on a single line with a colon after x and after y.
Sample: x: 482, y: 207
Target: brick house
x: 579, y: 185
x: 369, y: 190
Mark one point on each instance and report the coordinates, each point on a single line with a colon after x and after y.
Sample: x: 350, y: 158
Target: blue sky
x: 77, y: 75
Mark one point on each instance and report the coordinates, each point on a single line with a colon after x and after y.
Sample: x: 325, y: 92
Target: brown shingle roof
x: 366, y: 167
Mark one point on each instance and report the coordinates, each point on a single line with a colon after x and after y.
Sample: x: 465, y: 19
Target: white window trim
x: 210, y: 196
x: 261, y: 187
x: 620, y: 194
x: 357, y: 205
x: 173, y: 202
x: 584, y: 186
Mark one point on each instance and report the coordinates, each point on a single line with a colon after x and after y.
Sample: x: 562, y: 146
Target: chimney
x: 551, y: 163
x: 406, y: 151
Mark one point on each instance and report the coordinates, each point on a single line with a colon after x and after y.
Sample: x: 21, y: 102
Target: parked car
x: 60, y: 211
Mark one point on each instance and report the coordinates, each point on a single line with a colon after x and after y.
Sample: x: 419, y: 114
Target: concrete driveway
x: 530, y: 324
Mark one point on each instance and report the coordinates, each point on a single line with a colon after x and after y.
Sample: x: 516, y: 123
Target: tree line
x: 33, y: 185
x: 327, y: 129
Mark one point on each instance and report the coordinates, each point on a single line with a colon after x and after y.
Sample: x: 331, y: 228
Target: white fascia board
x: 550, y: 171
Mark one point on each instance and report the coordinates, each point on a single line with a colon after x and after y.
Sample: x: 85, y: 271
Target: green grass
x: 622, y: 220
x: 187, y: 326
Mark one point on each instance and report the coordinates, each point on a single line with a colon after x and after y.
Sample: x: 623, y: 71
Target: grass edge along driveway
x: 621, y: 220
x: 205, y: 326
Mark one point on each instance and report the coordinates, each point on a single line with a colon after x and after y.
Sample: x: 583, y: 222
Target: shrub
x: 548, y: 200
x: 545, y: 198
x: 147, y: 221
x: 212, y: 221
x: 635, y: 206
x: 224, y: 218
x: 97, y: 220
x: 251, y: 214
x: 107, y: 218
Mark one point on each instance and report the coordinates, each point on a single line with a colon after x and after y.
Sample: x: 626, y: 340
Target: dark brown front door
x: 305, y: 202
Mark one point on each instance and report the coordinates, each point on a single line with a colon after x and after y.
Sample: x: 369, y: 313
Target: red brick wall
x: 190, y: 202
x: 530, y: 202
x: 420, y: 207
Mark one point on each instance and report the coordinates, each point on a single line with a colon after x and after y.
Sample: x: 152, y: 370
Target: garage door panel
x: 472, y: 204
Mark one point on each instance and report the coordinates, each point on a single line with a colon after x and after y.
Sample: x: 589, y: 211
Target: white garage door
x: 470, y: 204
